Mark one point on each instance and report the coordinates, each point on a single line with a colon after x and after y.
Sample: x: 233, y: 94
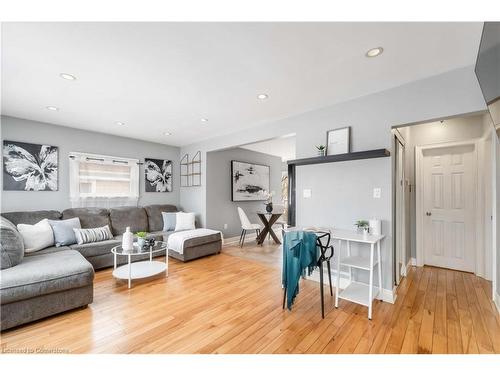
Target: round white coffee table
x: 140, y: 270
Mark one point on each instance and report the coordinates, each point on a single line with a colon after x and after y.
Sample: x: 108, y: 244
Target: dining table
x: 268, y: 220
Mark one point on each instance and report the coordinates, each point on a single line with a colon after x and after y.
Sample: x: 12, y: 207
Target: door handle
x: 428, y: 213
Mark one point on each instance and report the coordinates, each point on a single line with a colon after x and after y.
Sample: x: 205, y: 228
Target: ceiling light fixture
x: 262, y: 96
x: 374, y: 52
x: 167, y: 133
x: 120, y: 123
x: 204, y: 120
x: 67, y: 76
x: 52, y: 108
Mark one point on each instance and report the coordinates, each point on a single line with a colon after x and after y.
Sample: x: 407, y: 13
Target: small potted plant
x: 321, y: 150
x: 141, y: 238
x: 363, y: 225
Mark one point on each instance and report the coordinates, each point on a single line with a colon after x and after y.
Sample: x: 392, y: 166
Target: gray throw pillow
x: 63, y: 231
x: 11, y: 245
x: 169, y: 221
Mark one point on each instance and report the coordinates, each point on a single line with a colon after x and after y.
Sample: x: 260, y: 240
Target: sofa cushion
x: 96, y: 248
x: 158, y: 235
x: 155, y: 219
x: 161, y: 235
x: 31, y: 217
x: 91, y: 217
x: 45, y: 274
x: 133, y: 217
x: 11, y: 244
x: 48, y: 250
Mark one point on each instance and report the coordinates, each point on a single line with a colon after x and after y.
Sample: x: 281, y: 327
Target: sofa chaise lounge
x: 56, y: 279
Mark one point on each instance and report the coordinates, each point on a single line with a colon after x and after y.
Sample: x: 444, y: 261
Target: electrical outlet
x: 307, y: 193
x: 225, y: 226
x: 377, y: 192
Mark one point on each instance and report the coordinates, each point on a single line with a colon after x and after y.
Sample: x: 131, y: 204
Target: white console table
x: 358, y: 292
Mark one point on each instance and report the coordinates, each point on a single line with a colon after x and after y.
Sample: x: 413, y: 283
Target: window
x: 103, y: 181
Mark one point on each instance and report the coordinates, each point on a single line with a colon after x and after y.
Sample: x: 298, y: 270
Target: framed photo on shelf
x: 338, y: 141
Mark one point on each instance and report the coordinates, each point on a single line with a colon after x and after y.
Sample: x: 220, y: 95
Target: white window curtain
x: 103, y: 181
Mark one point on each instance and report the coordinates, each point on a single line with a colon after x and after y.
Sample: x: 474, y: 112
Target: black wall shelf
x: 371, y: 154
x: 292, y: 164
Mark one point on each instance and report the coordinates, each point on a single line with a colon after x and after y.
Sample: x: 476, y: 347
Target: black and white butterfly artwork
x: 29, y: 167
x: 158, y: 175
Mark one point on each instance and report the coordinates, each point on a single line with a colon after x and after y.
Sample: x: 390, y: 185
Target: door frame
x: 398, y: 138
x: 419, y: 209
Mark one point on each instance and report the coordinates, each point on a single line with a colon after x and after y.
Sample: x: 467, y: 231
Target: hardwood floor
x: 227, y: 304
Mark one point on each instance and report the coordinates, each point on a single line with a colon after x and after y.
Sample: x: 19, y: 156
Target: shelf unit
x: 358, y: 292
x: 370, y: 154
x: 191, y: 170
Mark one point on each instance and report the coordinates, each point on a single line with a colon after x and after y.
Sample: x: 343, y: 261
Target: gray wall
x: 371, y: 118
x: 71, y: 140
x: 220, y: 209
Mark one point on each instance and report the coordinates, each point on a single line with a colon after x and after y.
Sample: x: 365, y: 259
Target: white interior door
x: 449, y: 198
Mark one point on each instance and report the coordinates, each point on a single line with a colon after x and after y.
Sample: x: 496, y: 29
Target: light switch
x: 377, y: 192
x: 307, y: 193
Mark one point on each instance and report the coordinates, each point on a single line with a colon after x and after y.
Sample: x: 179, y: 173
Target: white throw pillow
x: 36, y: 237
x: 184, y: 221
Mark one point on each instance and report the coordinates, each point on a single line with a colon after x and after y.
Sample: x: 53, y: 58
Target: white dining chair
x: 246, y: 225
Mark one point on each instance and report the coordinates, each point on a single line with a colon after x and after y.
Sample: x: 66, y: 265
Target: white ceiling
x: 159, y: 77
x: 283, y: 147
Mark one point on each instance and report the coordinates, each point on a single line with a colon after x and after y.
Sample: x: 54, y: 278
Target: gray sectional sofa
x: 56, y: 279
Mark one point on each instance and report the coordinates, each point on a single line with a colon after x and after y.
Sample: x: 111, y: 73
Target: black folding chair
x: 326, y: 254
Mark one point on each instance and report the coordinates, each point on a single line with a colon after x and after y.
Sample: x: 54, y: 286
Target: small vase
x: 269, y: 207
x: 128, y: 240
x: 366, y: 232
x: 141, y: 242
x: 321, y: 152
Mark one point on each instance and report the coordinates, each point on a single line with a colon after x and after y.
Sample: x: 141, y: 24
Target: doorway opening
x: 443, y: 195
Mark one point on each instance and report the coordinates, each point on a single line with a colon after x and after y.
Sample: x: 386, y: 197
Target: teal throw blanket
x: 299, y: 254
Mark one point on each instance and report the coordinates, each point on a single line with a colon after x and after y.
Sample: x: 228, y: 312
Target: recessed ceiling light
x: 167, y: 133
x: 67, y: 76
x: 52, y: 108
x: 262, y: 96
x: 204, y: 120
x: 120, y: 123
x: 374, y: 52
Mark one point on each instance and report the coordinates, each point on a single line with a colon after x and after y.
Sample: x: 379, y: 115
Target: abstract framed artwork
x: 338, y: 141
x: 249, y: 181
x: 158, y: 175
x: 30, y: 167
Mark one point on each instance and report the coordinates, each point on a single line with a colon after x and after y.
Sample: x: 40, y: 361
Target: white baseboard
x: 231, y: 241
x: 497, y: 301
x: 390, y: 295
